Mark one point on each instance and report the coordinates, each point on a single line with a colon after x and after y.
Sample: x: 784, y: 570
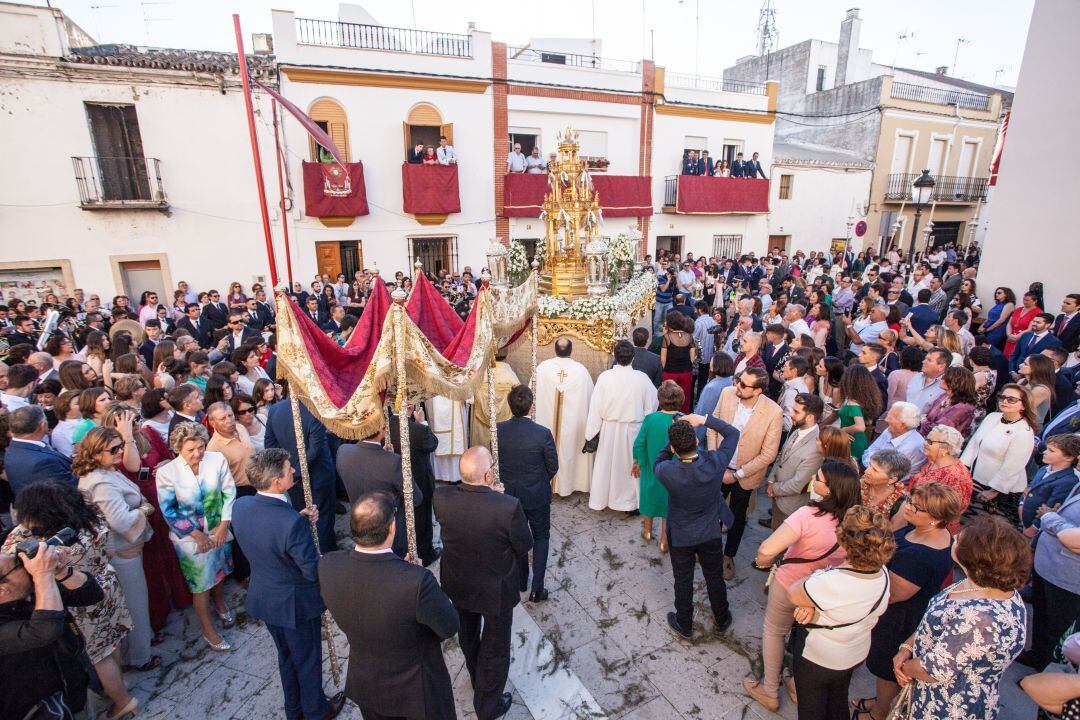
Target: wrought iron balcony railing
x: 554, y: 57
x: 947, y: 188
x: 118, y: 183
x: 332, y: 33
x: 698, y: 82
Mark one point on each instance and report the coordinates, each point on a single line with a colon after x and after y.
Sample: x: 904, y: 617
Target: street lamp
x: 921, y: 190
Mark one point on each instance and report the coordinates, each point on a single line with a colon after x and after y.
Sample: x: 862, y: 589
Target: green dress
x: 859, y: 441
x: 651, y: 439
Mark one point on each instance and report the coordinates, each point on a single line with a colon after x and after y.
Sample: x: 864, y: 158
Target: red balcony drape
x: 620, y: 195
x: 326, y: 193
x: 430, y: 188
x: 720, y: 196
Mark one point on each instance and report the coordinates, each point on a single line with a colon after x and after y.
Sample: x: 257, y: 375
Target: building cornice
x: 764, y: 117
x: 370, y: 79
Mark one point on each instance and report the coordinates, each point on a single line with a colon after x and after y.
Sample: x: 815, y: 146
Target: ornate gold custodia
x: 571, y: 217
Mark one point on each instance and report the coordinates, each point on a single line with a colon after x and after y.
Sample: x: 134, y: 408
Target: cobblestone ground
x: 598, y: 648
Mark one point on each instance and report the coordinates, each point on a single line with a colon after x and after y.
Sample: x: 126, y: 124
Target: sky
x: 917, y: 33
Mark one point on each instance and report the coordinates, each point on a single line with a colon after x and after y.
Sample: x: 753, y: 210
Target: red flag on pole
x: 998, y: 149
x: 313, y: 129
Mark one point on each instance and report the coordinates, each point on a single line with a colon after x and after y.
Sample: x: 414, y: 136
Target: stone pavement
x: 598, y: 648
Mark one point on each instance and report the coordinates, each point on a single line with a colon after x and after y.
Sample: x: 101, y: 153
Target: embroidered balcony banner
x: 330, y: 192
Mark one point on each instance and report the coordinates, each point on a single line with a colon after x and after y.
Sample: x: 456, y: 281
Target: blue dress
x: 966, y: 644
x: 997, y: 335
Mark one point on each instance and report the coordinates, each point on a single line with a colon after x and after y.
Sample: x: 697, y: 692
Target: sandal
x: 859, y: 708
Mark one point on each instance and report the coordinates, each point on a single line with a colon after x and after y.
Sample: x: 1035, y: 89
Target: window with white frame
x: 593, y: 148
x: 729, y: 246
x: 695, y: 143
x: 731, y: 149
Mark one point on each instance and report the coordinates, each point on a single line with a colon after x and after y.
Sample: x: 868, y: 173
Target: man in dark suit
x: 311, y: 309
x: 216, y: 311
x: 29, y: 458
x: 238, y: 334
x: 258, y: 316
x: 1033, y: 340
x: 870, y: 357
x: 153, y: 336
x: 753, y: 168
x: 705, y: 164
x: 280, y: 434
x: 283, y: 590
x: 645, y: 360
x: 528, y: 461
x: 333, y: 325
x: 1067, y: 324
x: 366, y: 466
x: 696, y: 516
x: 422, y: 442
x: 773, y: 353
x: 484, y: 532
x: 23, y: 333
x: 416, y: 155
x: 187, y: 403
x: 200, y: 328
x: 952, y: 280
x: 922, y: 316
x: 1064, y: 384
x: 739, y: 167
x: 690, y: 164
x: 395, y: 616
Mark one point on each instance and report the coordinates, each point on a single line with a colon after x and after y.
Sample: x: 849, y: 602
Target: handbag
x: 794, y: 561
x: 591, y: 444
x: 903, y: 708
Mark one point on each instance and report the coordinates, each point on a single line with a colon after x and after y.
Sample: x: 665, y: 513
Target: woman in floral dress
x: 972, y: 631
x: 196, y: 493
x: 43, y: 510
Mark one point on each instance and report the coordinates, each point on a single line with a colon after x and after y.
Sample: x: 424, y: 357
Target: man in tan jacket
x: 760, y: 422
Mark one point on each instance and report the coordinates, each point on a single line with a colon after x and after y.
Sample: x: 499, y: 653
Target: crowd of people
x: 695, y: 164
x: 917, y: 459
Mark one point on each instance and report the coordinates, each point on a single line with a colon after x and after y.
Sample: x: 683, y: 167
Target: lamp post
x: 921, y: 191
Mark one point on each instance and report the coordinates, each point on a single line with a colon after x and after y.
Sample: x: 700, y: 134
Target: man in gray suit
x: 798, y: 461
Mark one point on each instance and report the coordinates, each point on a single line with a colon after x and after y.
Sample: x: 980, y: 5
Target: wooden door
x: 328, y: 258
x: 119, y: 150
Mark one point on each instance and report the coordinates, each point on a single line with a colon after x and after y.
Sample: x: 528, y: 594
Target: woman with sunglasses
x: 247, y: 415
x: 998, y: 452
x: 97, y: 465
x: 998, y: 316
x: 45, y: 508
x: 942, y: 447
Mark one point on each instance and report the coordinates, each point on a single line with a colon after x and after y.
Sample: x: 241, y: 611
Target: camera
x: 65, y: 537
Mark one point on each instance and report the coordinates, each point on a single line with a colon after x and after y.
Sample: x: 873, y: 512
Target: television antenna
x: 959, y: 41
x: 767, y: 33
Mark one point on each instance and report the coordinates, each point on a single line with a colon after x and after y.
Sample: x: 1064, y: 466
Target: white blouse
x: 999, y: 453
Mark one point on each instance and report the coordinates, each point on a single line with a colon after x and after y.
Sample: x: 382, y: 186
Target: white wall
x: 211, y: 234
x: 821, y: 201
x: 1030, y: 239
x: 552, y: 116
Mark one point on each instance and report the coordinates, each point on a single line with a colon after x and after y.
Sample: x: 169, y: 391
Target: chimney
x: 942, y: 70
x: 262, y: 43
x: 849, y: 47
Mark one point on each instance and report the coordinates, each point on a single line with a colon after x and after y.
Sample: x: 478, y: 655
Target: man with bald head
x: 484, y: 532
x: 868, y: 334
x: 44, y: 364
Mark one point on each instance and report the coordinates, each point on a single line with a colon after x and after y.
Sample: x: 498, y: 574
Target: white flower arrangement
x: 517, y: 261
x: 622, y: 250
x: 599, y: 308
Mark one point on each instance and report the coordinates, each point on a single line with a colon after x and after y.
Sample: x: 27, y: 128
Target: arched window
x: 330, y: 116
x: 424, y: 125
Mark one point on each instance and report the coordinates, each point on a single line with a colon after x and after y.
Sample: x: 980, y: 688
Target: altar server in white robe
x: 621, y: 400
x: 448, y: 424
x: 563, y: 390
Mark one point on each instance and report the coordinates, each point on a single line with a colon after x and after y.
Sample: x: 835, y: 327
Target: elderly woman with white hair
x: 882, y: 483
x: 196, y: 492
x: 943, y: 446
x: 901, y: 435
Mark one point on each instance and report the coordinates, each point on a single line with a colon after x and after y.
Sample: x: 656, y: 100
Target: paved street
x: 600, y: 647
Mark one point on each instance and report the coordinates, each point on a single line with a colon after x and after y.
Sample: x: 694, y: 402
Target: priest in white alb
x: 448, y: 424
x: 563, y: 390
x: 621, y: 400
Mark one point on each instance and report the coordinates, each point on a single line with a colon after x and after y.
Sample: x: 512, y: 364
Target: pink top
x: 817, y: 533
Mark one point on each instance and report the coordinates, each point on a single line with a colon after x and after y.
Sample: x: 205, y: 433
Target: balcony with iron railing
x: 939, y: 96
x: 331, y: 33
x: 947, y: 188
x: 554, y: 57
x: 699, y: 82
x: 119, y: 183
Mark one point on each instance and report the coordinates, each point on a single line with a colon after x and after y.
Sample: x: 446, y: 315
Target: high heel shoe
x: 646, y: 530
x: 223, y: 646
x: 646, y: 535
x: 227, y: 618
x: 663, y: 544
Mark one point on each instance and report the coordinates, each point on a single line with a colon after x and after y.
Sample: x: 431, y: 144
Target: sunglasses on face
x: 115, y: 449
x: 245, y: 411
x: 1009, y: 399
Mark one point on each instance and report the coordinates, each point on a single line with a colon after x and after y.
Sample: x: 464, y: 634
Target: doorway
x: 945, y: 233
x: 780, y: 241
x: 137, y: 276
x: 336, y: 257
x: 670, y: 244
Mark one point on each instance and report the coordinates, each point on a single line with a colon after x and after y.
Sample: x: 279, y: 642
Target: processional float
x: 408, y: 348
